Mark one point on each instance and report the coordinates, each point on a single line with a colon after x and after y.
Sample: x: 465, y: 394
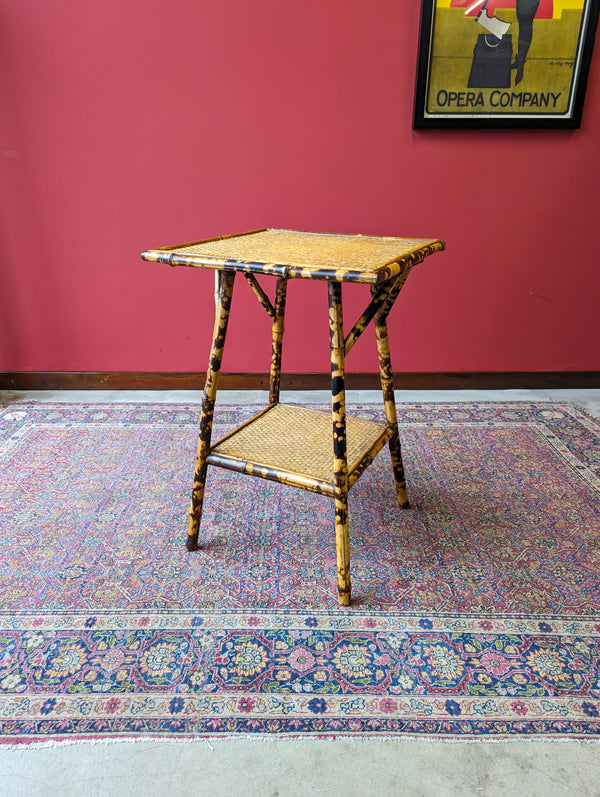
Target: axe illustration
x: 492, y: 24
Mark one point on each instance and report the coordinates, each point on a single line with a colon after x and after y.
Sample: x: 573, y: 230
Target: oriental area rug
x: 475, y: 614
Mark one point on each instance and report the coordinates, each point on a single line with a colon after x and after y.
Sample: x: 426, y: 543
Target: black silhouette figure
x: 526, y: 11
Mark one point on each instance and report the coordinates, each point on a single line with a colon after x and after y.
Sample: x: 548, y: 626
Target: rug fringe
x: 283, y: 738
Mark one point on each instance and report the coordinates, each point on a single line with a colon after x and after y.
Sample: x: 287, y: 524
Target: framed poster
x: 504, y: 63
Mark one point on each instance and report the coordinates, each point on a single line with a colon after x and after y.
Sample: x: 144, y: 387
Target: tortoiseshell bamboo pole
x: 223, y: 292
x: 340, y: 463
x: 261, y: 295
x: 378, y: 301
x: 277, y: 340
x: 387, y: 387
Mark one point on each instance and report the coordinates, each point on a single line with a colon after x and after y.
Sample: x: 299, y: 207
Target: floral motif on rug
x: 476, y: 611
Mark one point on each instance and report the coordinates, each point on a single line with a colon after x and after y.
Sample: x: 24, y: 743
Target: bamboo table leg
x: 277, y: 340
x: 340, y: 463
x: 387, y: 387
x: 224, y: 290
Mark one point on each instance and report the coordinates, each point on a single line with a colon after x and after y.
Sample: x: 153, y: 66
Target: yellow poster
x: 504, y: 61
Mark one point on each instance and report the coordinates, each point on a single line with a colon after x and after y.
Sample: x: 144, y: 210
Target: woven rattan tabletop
x: 305, y: 255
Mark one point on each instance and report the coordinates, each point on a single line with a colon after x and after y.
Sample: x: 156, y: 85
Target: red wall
x: 127, y: 124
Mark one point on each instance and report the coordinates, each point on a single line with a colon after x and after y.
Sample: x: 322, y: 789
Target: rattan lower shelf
x: 293, y: 445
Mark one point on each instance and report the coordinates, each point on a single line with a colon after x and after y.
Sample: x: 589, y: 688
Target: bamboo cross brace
x: 379, y: 297
x: 262, y: 296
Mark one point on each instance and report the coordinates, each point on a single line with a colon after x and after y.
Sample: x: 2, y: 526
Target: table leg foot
x: 344, y: 598
x: 191, y: 543
x: 342, y: 546
x: 398, y: 468
x: 197, y: 502
x: 401, y: 491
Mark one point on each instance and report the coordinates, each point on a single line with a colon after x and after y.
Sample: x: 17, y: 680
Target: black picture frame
x: 472, y: 73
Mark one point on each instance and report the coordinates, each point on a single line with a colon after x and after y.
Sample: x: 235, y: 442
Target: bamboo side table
x: 295, y: 445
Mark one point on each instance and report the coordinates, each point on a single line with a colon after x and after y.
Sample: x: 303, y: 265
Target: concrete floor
x: 302, y: 768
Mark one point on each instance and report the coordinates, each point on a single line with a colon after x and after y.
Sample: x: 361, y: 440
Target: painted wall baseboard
x: 477, y: 380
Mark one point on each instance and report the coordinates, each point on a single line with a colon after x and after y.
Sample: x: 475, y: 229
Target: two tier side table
x: 316, y: 451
